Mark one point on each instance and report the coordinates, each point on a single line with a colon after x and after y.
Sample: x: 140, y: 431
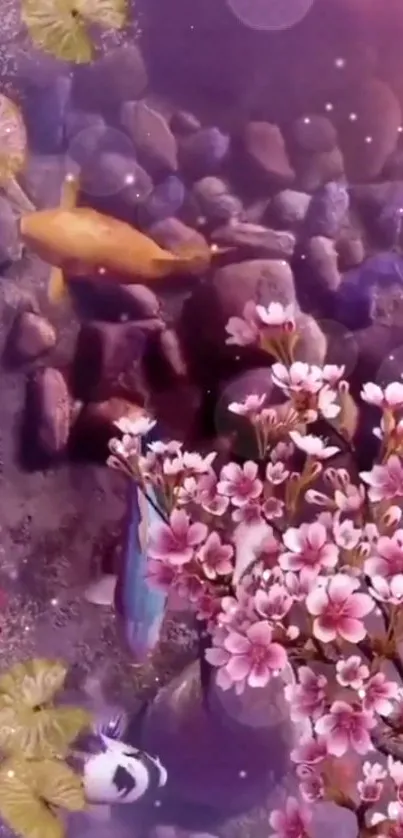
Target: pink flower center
x: 243, y: 486
x: 258, y: 654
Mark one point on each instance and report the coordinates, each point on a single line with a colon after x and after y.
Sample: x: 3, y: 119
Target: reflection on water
x: 245, y: 150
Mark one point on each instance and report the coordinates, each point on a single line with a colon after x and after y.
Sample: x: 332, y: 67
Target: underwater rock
x: 30, y: 337
x: 183, y: 123
x: 152, y: 137
x: 172, y: 234
x: 327, y: 210
x: 256, y: 241
x: 314, y: 133
x: 266, y: 151
x: 48, y: 410
x: 205, y: 314
x: 393, y: 168
x: 42, y: 179
x: 350, y: 249
x: 215, y: 200
x: 323, y: 258
x: 312, y: 343
x: 165, y: 200
x: 203, y: 152
x: 77, y: 121
x: 368, y: 123
x: 314, y: 170
x: 120, y: 75
x: 109, y: 359
x: 290, y: 207
x: 373, y: 292
x: 137, y: 301
x: 94, y: 427
x: 10, y: 245
x: 45, y: 110
x: 112, y: 301
x: 110, y: 173
x: 262, y: 280
x: 178, y: 408
x: 165, y: 364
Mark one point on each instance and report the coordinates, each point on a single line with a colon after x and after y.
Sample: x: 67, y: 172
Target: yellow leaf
x: 23, y: 811
x: 57, y: 27
x: 32, y: 683
x: 13, y: 139
x: 111, y: 14
x: 58, y: 784
x: 45, y: 733
x: 62, y: 726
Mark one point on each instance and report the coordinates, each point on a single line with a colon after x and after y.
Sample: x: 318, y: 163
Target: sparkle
x: 328, y: 107
x: 157, y: 803
x: 361, y: 693
x: 400, y: 129
x: 102, y: 270
x: 54, y: 602
x: 340, y: 63
x: 368, y: 139
x: 243, y: 774
x: 306, y: 120
x: 10, y: 774
x: 352, y: 117
x: 130, y: 179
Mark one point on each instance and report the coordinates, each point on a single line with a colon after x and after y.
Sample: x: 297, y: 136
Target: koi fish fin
x: 70, y: 190
x: 57, y: 288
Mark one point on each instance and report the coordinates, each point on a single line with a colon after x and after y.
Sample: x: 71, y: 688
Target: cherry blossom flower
x: 309, y: 549
x: 165, y: 449
x: 140, y: 426
x: 339, y: 610
x: 240, y: 483
x: 388, y: 591
x: 345, y: 534
x: 195, y: 463
x: 351, y: 672
x: 385, y: 481
x: 346, y: 727
x: 311, y: 751
x: 250, y: 514
x: 250, y: 407
x: 208, y: 496
x: 313, y: 446
x: 379, y: 693
x: 307, y: 698
x: 371, y: 787
x: 160, y: 574
x: 216, y: 556
x: 291, y: 823
x: 254, y: 657
x: 176, y: 542
x: 327, y: 406
x: 276, y: 473
x: 301, y: 585
x: 243, y: 330
x: 274, y: 603
x: 311, y: 787
x: 389, y: 559
x: 331, y: 374
x: 276, y: 316
x: 350, y: 499
x: 391, y: 397
x: 298, y: 378
x: 237, y: 613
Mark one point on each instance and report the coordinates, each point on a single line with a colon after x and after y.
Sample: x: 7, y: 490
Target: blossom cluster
x: 296, y: 566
